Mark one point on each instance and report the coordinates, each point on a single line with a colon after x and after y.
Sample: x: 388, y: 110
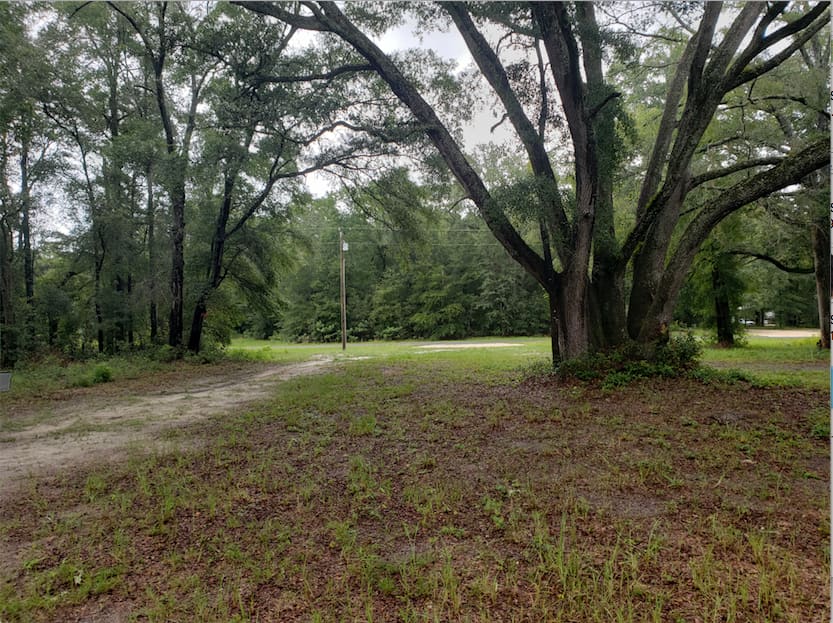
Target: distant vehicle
x: 748, y: 323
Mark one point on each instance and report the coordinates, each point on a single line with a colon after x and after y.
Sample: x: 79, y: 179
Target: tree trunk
x: 99, y: 316
x: 151, y: 242
x: 130, y: 336
x: 554, y: 332
x: 722, y: 309
x: 821, y: 263
x: 26, y: 242
x: 175, y: 324
x: 573, y: 321
x: 794, y: 167
x: 607, y: 308
x: 197, y: 323
x: 8, y: 343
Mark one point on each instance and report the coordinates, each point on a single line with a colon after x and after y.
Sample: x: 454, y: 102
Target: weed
x: 364, y: 424
x: 494, y: 509
x: 293, y: 501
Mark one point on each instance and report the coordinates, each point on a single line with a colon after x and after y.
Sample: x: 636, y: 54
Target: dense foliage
x: 453, y: 281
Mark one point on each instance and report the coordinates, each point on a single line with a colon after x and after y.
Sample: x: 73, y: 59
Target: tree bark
x: 8, y: 342
x: 822, y: 264
x: 153, y: 316
x: 722, y: 309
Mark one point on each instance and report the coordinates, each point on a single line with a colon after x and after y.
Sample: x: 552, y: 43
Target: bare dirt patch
x: 443, y: 346
x: 784, y: 333
x: 88, y: 427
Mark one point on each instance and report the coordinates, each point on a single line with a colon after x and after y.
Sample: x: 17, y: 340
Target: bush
x: 634, y: 361
x: 102, y: 374
x: 680, y: 352
x: 165, y: 354
x: 711, y: 376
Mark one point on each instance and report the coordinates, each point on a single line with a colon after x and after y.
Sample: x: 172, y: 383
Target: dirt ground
x: 85, y: 428
x: 784, y: 333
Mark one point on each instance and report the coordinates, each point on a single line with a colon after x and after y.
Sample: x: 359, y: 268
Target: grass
x: 775, y: 361
x: 451, y: 486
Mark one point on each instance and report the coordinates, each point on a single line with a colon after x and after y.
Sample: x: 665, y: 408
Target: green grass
x: 776, y: 362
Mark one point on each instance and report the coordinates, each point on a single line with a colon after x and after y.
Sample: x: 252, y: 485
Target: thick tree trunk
x: 607, y: 310
x: 821, y: 263
x: 573, y: 319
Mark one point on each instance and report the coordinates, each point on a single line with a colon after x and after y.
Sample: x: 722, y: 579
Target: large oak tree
x: 584, y: 263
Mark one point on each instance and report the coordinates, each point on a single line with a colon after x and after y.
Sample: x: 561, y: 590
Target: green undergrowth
x: 631, y: 362
x: 761, y: 363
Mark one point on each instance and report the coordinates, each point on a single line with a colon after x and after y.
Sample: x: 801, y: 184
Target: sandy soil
x: 80, y: 432
x: 462, y: 345
x: 786, y: 333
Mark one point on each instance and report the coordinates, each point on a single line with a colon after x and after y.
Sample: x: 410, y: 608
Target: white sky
x: 449, y: 46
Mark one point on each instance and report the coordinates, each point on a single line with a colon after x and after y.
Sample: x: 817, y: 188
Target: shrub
x: 680, y: 352
x: 102, y: 374
x: 165, y: 354
x: 712, y: 376
x: 634, y: 361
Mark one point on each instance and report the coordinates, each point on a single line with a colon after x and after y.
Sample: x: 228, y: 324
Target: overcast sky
x: 450, y: 46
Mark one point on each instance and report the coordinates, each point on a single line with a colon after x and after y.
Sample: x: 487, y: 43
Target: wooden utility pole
x: 342, y: 247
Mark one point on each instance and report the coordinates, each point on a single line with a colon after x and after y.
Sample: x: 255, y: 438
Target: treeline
x: 447, y: 279
x: 151, y: 157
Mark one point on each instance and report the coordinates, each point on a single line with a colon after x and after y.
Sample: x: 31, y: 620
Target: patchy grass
x: 446, y: 487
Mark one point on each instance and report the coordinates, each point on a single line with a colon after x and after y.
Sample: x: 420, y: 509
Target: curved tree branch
x: 779, y: 265
x: 698, y: 180
x: 790, y: 171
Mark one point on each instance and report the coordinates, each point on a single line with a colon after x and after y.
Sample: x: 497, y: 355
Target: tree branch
x: 598, y: 107
x: 492, y: 69
x: 740, y: 74
x: 272, y: 9
x: 328, y: 75
x: 659, y: 153
x: 779, y: 265
x: 698, y: 180
x: 790, y: 171
x: 760, y: 42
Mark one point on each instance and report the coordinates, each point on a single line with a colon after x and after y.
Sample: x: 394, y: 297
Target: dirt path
x: 94, y: 429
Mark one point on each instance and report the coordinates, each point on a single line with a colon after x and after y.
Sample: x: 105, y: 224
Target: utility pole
x: 342, y: 247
